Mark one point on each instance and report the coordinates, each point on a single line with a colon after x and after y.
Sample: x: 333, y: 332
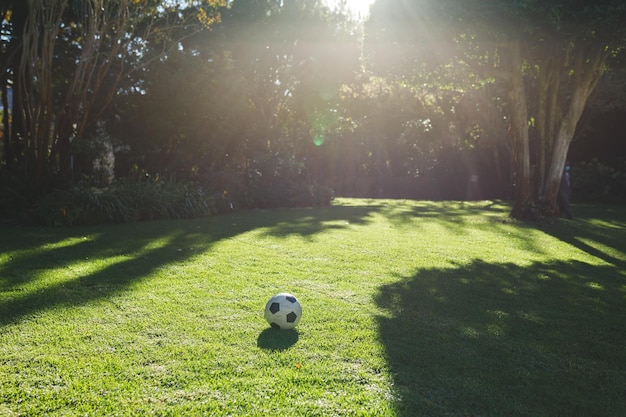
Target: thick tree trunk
x: 561, y: 145
x: 548, y: 83
x: 587, y: 73
x: 564, y: 83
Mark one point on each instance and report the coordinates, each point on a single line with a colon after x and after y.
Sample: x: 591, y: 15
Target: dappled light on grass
x: 67, y: 260
x: 602, y: 250
x: 413, y: 308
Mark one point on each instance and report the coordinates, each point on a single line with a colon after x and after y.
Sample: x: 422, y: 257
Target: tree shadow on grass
x: 504, y: 340
x: 454, y: 213
x: 137, y: 256
x: 600, y: 231
x: 307, y: 222
x: 140, y: 249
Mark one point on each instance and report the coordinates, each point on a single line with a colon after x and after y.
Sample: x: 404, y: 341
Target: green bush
x: 125, y: 201
x: 287, y: 193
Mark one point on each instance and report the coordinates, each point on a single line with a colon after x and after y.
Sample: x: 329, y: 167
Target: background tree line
x: 262, y: 103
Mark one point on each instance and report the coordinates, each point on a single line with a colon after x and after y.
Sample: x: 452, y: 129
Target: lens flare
x: 321, y: 123
x: 319, y: 139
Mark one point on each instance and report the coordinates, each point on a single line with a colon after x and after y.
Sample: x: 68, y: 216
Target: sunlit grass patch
x: 409, y: 308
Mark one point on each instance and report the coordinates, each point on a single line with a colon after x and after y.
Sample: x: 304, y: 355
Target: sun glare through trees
x: 358, y: 8
x: 287, y: 103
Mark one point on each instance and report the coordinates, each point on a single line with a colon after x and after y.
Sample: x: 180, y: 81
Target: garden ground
x: 410, y: 308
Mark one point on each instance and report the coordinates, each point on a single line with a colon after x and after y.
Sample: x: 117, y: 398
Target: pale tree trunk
x: 587, y: 68
x: 85, y: 100
x: 49, y: 127
x: 564, y: 82
x: 35, y: 82
x: 548, y: 83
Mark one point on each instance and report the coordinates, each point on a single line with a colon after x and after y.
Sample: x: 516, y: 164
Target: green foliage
x: 535, y: 62
x: 125, y: 201
x: 251, y: 86
x: 270, y: 181
x: 598, y: 182
x: 285, y: 192
x: 293, y: 79
x: 409, y: 309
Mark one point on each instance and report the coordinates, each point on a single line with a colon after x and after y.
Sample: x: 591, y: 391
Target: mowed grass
x: 409, y: 309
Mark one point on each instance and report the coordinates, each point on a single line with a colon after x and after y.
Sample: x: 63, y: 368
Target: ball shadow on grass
x: 273, y: 339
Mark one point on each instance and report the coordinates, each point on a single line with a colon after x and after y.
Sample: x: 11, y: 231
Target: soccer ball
x: 283, y: 311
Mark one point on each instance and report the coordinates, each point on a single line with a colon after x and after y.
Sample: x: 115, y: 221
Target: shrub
x: 281, y: 192
x: 18, y: 193
x: 125, y: 201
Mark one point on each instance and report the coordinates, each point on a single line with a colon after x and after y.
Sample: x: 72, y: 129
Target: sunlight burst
x: 359, y: 8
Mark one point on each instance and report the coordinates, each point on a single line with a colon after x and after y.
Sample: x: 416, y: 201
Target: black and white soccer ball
x: 283, y: 311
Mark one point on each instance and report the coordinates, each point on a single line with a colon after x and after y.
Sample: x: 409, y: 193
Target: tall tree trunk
x: 522, y: 196
x: 548, y: 86
x: 35, y: 97
x: 588, y: 69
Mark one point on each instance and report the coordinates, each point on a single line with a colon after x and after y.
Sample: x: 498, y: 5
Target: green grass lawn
x: 410, y: 309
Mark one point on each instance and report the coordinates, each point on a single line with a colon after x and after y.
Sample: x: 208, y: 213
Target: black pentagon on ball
x: 291, y: 299
x: 275, y: 326
x: 291, y: 317
x: 274, y: 308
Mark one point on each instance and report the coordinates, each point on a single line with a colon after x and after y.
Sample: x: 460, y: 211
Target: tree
x: 293, y: 57
x: 73, y: 56
x: 546, y: 57
x: 238, y: 108
x: 188, y: 119
x: 257, y: 82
